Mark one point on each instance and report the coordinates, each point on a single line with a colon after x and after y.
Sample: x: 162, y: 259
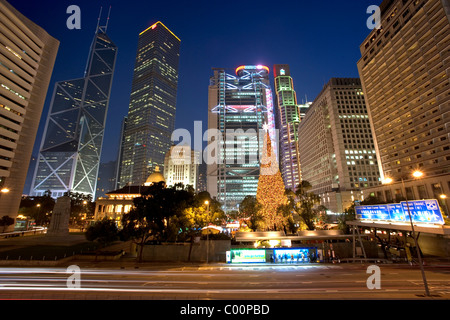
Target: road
x: 221, y: 282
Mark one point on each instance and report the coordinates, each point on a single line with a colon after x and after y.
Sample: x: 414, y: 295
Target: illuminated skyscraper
x: 151, y: 116
x: 27, y: 57
x: 288, y: 113
x: 240, y: 107
x: 336, y: 148
x: 181, y: 166
x: 71, y: 146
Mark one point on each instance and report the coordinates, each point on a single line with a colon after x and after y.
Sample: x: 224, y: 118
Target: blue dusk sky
x: 318, y: 39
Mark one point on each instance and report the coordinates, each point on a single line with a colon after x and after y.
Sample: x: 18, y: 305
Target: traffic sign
x: 422, y: 211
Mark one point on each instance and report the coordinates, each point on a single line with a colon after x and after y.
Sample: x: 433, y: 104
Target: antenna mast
x: 98, y: 21
x: 107, y: 20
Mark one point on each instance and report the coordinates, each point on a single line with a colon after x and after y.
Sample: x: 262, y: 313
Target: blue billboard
x: 422, y: 211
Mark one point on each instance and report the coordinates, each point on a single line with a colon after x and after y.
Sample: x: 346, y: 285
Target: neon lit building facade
x: 288, y: 121
x: 240, y: 112
x: 151, y: 116
x: 71, y: 146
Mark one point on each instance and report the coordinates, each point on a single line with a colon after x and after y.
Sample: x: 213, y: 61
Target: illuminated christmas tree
x: 271, y: 190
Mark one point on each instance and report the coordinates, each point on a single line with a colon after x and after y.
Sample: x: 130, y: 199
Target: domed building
x: 119, y: 202
x: 155, y: 177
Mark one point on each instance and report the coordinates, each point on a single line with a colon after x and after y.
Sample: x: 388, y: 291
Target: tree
x: 38, y: 208
x: 271, y: 190
x: 307, y: 205
x: 80, y: 204
x: 5, y: 222
x: 293, y: 220
x: 154, y: 214
x: 104, y: 232
x: 136, y: 227
x: 250, y: 211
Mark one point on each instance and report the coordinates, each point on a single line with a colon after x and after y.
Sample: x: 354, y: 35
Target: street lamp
x: 444, y: 197
x: 207, y: 232
x: 417, y: 175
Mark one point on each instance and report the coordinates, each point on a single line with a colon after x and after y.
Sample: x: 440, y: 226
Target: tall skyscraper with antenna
x: 71, y: 146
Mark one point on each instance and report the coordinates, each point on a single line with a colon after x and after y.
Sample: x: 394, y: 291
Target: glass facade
x: 288, y: 121
x: 151, y: 116
x: 71, y: 147
x: 241, y: 108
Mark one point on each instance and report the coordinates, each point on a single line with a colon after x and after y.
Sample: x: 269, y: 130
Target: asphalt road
x: 223, y: 282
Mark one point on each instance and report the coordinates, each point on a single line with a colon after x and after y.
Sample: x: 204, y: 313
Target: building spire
x: 104, y: 27
x: 107, y: 20
x: 98, y: 20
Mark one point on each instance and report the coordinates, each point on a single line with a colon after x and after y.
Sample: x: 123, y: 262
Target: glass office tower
x: 288, y: 121
x: 151, y: 116
x: 240, y: 112
x: 71, y: 147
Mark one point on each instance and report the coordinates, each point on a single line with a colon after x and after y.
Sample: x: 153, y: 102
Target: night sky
x: 318, y: 39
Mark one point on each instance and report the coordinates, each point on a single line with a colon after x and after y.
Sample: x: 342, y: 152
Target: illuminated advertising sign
x: 252, y: 68
x: 291, y: 255
x: 422, y: 211
x: 248, y: 256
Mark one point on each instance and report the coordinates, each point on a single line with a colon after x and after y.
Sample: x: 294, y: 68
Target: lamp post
x: 207, y: 232
x: 444, y: 197
x: 416, y: 175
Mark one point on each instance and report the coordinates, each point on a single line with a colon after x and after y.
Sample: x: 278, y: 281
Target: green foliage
x: 6, y: 221
x: 169, y: 214
x: 38, y: 208
x: 80, y: 204
x: 304, y: 204
x: 348, y: 215
x: 250, y: 210
x: 193, y: 218
x: 104, y: 232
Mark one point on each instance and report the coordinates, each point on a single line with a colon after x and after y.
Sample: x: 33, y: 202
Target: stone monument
x: 59, y: 222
